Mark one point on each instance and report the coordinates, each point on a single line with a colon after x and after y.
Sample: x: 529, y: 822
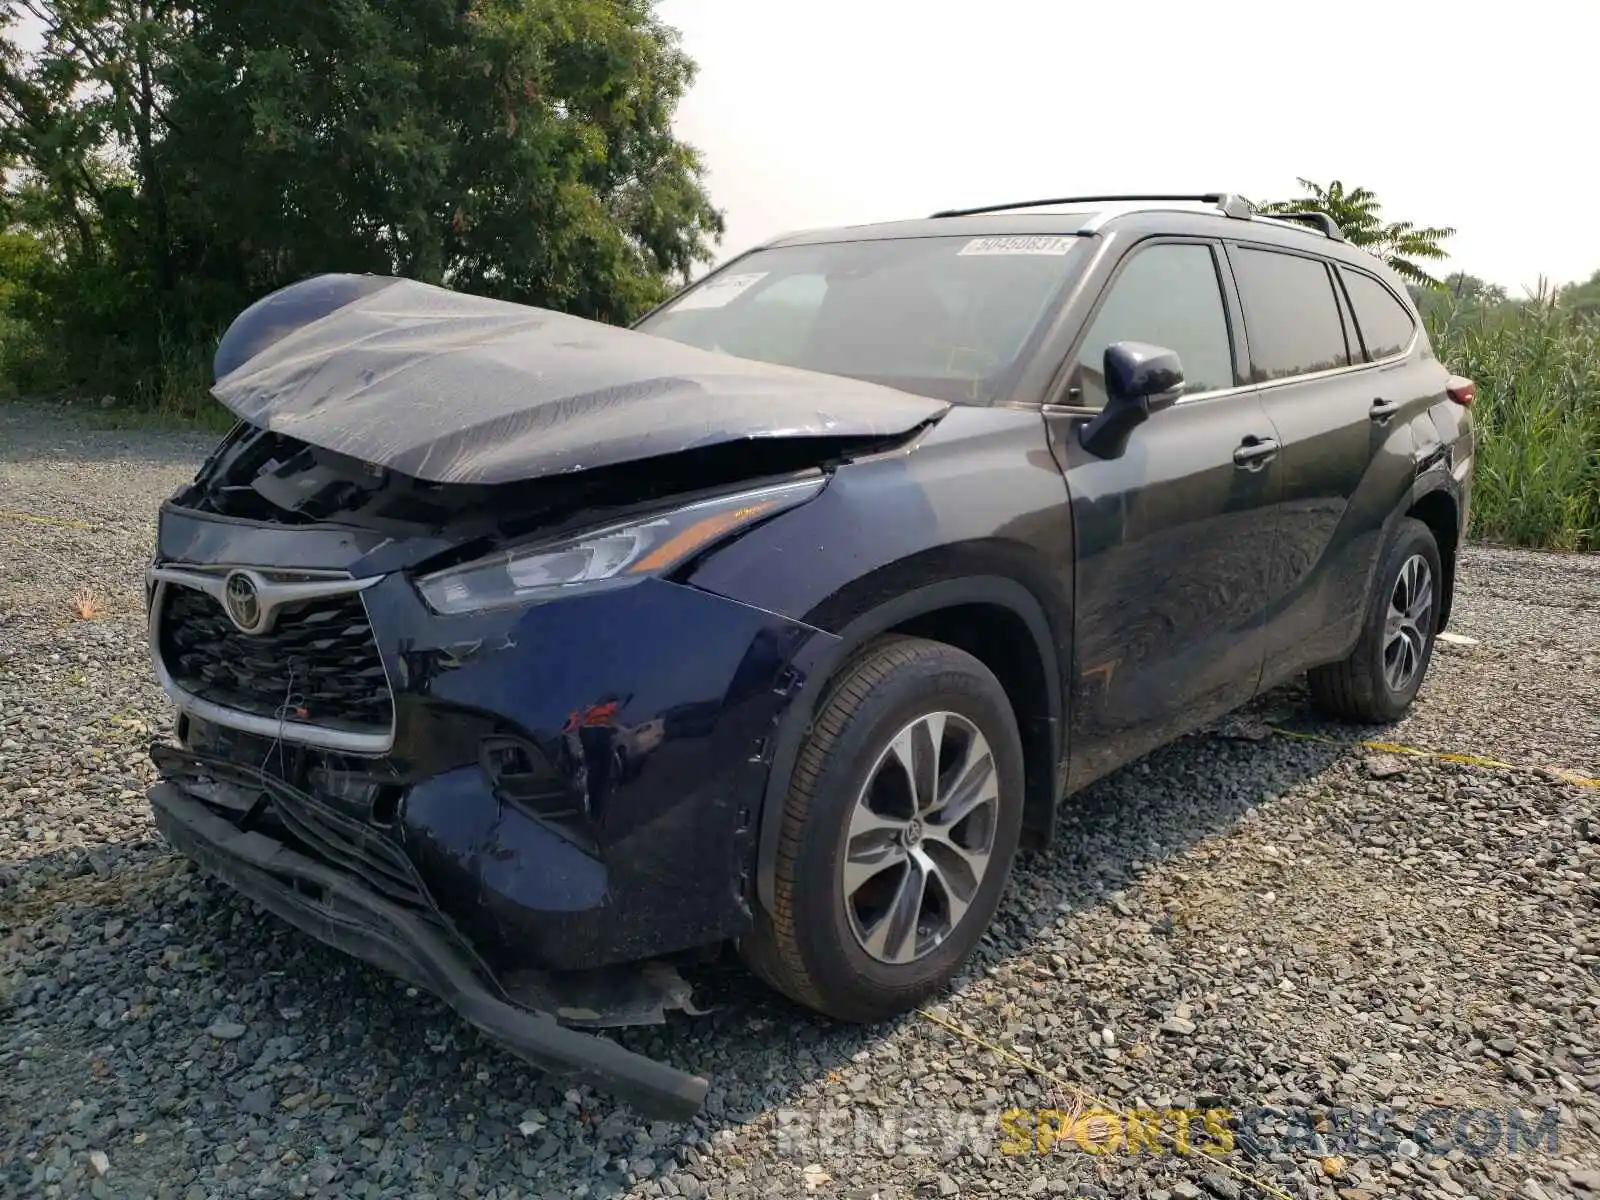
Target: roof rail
x: 1230, y: 204
x: 1319, y: 221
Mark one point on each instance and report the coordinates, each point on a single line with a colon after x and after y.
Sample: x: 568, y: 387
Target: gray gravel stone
x: 1385, y: 766
x: 1320, y: 932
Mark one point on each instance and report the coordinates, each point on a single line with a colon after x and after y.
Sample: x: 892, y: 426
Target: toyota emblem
x: 243, y: 602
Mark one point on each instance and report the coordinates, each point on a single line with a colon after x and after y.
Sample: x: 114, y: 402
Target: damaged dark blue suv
x: 521, y: 655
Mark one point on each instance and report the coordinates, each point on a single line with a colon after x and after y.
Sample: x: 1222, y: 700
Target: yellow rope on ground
x: 1099, y: 1101
x: 62, y: 522
x: 1471, y: 760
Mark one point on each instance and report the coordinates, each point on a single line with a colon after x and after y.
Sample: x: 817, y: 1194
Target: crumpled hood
x: 452, y: 388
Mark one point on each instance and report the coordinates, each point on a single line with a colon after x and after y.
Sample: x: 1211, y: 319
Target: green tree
x: 1469, y: 288
x: 1461, y: 296
x: 1582, y: 298
x: 179, y: 158
x: 1356, y: 211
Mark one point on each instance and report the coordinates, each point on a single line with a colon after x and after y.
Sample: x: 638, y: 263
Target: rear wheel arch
x: 1378, y: 681
x: 1440, y: 512
x: 997, y: 619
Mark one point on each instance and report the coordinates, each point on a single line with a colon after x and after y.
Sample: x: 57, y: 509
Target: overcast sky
x: 1477, y: 115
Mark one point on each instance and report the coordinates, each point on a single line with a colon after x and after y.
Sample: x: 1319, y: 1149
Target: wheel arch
x: 997, y: 618
x: 1440, y: 510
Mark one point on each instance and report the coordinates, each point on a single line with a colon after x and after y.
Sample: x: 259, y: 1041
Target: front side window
x: 1167, y: 295
x: 1291, y: 314
x: 1386, y: 327
x: 949, y: 317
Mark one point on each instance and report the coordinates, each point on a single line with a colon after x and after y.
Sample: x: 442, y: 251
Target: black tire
x: 1357, y: 689
x: 806, y: 947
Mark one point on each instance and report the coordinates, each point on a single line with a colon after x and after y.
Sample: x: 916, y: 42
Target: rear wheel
x: 898, y: 834
x: 1380, y: 679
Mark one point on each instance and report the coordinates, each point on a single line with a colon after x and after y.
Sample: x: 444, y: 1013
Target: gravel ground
x: 1239, y: 920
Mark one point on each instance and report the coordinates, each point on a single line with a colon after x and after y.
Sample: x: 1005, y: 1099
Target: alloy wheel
x: 1405, y: 634
x: 921, y: 837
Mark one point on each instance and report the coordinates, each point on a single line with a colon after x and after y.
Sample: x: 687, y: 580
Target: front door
x: 1175, y: 537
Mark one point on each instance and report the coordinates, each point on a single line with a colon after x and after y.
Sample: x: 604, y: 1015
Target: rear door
x: 1173, y: 537
x: 1394, y: 341
x: 1348, y: 451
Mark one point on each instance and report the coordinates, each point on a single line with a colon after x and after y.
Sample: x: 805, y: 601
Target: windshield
x: 947, y: 317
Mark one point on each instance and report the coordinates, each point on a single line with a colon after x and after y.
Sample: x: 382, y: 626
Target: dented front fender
x: 642, y: 720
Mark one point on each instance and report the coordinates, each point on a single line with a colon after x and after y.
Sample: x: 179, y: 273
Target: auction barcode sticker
x: 1018, y: 244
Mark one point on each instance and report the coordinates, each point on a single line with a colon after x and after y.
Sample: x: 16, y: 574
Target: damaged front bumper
x: 370, y: 910
x: 531, y: 811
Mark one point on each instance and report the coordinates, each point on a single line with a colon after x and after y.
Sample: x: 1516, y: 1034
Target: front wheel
x: 899, y: 831
x: 1380, y: 679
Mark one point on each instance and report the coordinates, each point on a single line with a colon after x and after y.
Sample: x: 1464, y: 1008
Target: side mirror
x: 1140, y: 380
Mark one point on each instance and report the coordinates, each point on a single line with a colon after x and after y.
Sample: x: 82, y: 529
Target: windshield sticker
x: 1018, y: 245
x: 724, y: 289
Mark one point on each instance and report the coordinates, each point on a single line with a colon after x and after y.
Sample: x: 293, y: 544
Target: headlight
x: 610, y: 557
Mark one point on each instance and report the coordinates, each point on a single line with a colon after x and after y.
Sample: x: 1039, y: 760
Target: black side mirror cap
x: 1139, y: 371
x: 1141, y: 380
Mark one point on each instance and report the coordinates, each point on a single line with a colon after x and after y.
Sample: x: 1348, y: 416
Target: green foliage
x: 1582, y: 298
x: 20, y: 351
x: 1462, y: 297
x: 1537, y: 367
x: 1360, y: 217
x: 177, y: 159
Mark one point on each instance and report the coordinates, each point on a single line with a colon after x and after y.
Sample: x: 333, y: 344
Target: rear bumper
x: 339, y: 910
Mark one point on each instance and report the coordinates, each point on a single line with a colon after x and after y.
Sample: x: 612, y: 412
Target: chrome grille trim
x: 283, y: 586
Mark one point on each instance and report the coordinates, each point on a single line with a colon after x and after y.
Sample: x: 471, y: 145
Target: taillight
x: 1462, y: 391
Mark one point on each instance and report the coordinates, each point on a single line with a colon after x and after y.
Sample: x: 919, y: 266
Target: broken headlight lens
x: 609, y: 557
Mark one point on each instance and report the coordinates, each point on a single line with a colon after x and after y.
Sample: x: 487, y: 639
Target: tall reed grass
x: 1537, y: 478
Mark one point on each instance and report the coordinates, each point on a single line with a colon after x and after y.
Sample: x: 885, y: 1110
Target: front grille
x: 319, y: 665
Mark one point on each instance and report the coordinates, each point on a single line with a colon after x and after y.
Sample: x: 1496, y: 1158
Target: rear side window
x: 1167, y: 295
x: 1386, y: 327
x: 1291, y: 314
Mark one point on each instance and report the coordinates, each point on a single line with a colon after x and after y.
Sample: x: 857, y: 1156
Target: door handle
x: 1382, y: 410
x: 1254, y: 453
